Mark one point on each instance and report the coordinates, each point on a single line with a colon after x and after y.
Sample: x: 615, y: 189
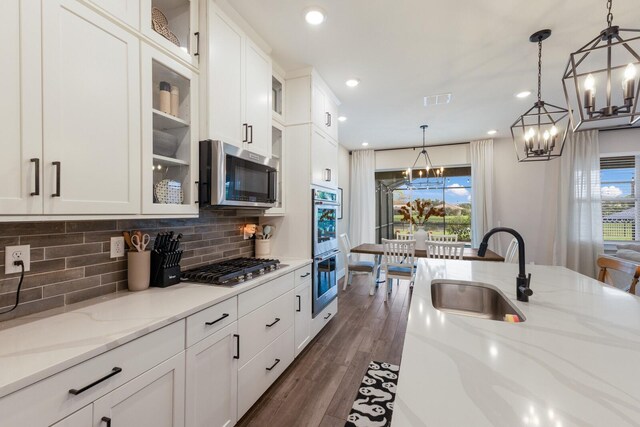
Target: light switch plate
x: 117, y: 247
x: 13, y: 253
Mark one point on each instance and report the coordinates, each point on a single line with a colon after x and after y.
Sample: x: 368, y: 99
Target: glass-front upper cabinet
x: 174, y: 25
x: 169, y: 141
x: 278, y: 153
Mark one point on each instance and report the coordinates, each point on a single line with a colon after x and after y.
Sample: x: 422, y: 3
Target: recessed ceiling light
x: 314, y: 16
x: 492, y: 132
x: 342, y: 119
x: 523, y: 94
x: 364, y: 144
x: 352, y: 82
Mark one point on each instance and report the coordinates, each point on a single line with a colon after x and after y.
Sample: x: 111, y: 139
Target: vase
x: 420, y: 237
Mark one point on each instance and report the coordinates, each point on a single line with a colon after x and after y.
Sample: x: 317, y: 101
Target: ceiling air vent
x: 441, y: 99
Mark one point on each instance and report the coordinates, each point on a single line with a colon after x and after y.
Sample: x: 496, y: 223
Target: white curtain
x: 482, y: 191
x: 578, y: 237
x: 362, y: 215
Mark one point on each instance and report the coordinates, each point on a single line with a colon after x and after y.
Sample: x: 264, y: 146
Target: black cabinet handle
x: 274, y: 322
x: 37, y: 173
x: 237, y: 356
x: 330, y: 119
x: 326, y: 120
x: 305, y: 275
x: 114, y: 371
x: 274, y: 365
x: 197, y: 192
x: 245, y: 129
x: 251, y: 132
x: 224, y: 316
x: 58, y: 167
x: 327, y: 316
x: 197, y: 34
x: 106, y: 420
x: 299, y: 309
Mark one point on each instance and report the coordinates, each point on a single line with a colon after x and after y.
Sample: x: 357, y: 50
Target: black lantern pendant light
x: 600, y: 81
x: 540, y: 133
x: 412, y: 172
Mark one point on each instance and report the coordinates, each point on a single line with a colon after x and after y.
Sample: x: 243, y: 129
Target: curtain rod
x: 418, y: 147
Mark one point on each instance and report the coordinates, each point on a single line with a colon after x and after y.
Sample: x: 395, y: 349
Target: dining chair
x: 613, y: 263
x: 445, y: 250
x: 404, y: 236
x: 398, y: 262
x: 511, y: 254
x: 433, y: 237
x: 355, y: 267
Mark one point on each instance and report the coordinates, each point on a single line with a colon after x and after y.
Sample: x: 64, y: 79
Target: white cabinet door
x: 324, y: 160
x: 332, y: 112
x: 20, y: 119
x: 302, y: 319
x: 182, y: 18
x: 212, y: 380
x: 225, y: 79
x: 127, y: 11
x: 82, y: 418
x: 91, y: 112
x: 258, y: 95
x: 318, y: 110
x: 154, y: 399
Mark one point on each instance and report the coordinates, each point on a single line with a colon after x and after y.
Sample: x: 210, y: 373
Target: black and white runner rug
x: 374, y: 405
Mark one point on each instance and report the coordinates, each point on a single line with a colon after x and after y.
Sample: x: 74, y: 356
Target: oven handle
x: 328, y: 203
x: 325, y: 257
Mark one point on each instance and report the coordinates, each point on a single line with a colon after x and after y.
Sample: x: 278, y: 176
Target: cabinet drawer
x: 211, y: 320
x: 257, y: 297
x: 51, y: 399
x: 324, y: 317
x: 303, y: 274
x: 262, y: 326
x: 257, y: 375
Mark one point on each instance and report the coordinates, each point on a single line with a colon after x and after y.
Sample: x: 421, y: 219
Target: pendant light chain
x: 610, y: 14
x: 539, y: 70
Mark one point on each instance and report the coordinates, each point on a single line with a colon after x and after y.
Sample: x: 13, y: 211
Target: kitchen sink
x: 472, y: 299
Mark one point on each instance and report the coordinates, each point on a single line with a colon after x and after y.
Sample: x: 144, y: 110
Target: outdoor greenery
x: 457, y: 219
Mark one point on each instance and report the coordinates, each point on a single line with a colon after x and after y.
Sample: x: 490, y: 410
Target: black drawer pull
x: 58, y: 167
x: 197, y: 34
x: 106, y: 420
x: 299, y: 309
x: 114, y: 371
x: 237, y: 356
x: 274, y: 365
x: 305, y: 275
x: 327, y: 316
x: 37, y: 177
x: 224, y: 316
x: 274, y: 322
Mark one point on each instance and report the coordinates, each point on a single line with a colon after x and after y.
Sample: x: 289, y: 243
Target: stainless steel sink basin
x: 472, y: 299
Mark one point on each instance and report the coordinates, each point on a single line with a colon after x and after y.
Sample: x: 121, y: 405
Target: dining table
x: 469, y: 254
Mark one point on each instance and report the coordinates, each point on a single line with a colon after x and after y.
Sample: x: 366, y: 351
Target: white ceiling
x: 403, y: 50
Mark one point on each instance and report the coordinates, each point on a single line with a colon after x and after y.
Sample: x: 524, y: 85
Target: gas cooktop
x: 230, y: 272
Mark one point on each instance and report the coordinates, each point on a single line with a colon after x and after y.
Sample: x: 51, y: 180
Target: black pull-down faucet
x: 523, y: 291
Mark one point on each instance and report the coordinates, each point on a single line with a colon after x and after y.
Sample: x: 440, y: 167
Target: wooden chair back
x: 613, y: 263
x: 511, y: 254
x: 451, y: 238
x: 444, y: 250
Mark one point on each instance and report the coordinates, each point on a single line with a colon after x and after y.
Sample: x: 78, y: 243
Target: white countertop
x: 575, y: 361
x: 45, y: 344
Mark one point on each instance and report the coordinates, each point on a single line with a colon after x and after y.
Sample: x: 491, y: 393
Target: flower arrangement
x: 422, y: 211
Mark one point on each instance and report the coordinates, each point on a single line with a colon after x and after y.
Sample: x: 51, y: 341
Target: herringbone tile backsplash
x: 70, y: 259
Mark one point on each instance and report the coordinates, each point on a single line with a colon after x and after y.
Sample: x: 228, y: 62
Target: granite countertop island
x: 575, y: 361
x: 40, y: 345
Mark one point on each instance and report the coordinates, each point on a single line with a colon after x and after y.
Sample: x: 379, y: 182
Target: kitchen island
x: 573, y: 362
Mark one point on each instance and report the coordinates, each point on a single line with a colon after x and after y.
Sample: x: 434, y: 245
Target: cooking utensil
x: 266, y: 230
x: 127, y: 239
x: 140, y: 241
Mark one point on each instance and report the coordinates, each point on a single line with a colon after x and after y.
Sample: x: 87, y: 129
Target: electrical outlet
x: 117, y: 247
x: 14, y: 253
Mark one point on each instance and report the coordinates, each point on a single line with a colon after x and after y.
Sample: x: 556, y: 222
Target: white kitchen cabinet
x: 91, y: 112
x: 20, y: 114
x: 324, y: 110
x: 154, y: 399
x: 169, y: 141
x: 237, y: 105
x: 212, y: 380
x: 302, y: 319
x: 278, y: 153
x: 324, y: 317
x: 82, y: 418
x: 182, y: 21
x: 128, y: 11
x: 324, y: 160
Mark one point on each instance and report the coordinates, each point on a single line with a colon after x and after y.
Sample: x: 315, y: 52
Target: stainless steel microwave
x: 231, y: 176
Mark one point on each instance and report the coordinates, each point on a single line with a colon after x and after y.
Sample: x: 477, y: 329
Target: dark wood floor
x: 320, y: 386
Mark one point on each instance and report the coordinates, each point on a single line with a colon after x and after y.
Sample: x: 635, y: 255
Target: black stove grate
x: 230, y: 272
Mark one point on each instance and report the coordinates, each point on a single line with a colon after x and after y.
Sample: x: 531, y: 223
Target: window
x: 451, y: 193
x: 620, y: 217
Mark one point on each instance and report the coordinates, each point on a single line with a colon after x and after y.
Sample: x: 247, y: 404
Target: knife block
x: 161, y: 274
